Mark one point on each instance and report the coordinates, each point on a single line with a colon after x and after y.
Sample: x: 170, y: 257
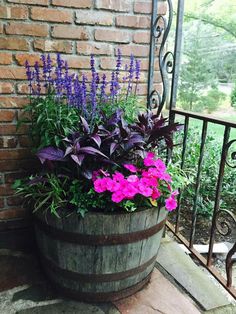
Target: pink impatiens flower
x: 149, y: 159
x: 117, y: 197
x: 100, y: 185
x: 132, y: 178
x: 170, y: 204
x: 131, y: 167
x: 155, y: 194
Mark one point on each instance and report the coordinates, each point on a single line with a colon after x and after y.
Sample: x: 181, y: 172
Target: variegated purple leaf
x: 78, y: 159
x: 91, y: 151
x: 97, y: 139
x: 68, y: 151
x: 50, y: 153
x: 85, y: 124
x: 113, y: 147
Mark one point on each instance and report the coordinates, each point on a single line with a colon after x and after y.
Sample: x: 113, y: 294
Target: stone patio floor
x: 25, y: 290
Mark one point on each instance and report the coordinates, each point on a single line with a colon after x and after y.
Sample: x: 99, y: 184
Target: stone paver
x: 182, y: 268
x: 159, y: 296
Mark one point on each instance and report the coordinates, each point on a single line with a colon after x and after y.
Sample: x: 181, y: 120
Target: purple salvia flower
x: 137, y: 73
x: 93, y: 94
x: 125, y: 77
x: 49, y: 68
x: 29, y: 75
x: 103, y: 88
x: 45, y: 69
x: 92, y: 64
x: 77, y: 93
x: 68, y: 88
x: 137, y: 69
x: 59, y: 80
x: 131, y: 75
x: 118, y: 62
x: 84, y: 92
x: 37, y: 77
x: 113, y: 86
x: 118, y: 67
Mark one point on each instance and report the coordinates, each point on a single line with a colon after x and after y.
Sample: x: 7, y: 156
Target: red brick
x: 5, y: 58
x: 14, y: 201
x: 7, y: 115
x: 13, y: 102
x: 114, y: 5
x: 85, y: 48
x: 2, y: 202
x: 107, y: 63
x: 25, y: 141
x: 70, y: 32
x: 96, y: 18
x: 31, y: 58
x: 27, y: 29
x: 51, y: 15
x: 136, y: 50
x: 15, y: 165
x: 34, y: 2
x: 8, y: 142
x: 80, y: 4
x: 12, y: 213
x: 11, y: 177
x: 146, y: 7
x: 18, y: 13
x: 6, y: 88
x: 142, y: 89
x: 23, y: 89
x: 14, y: 43
x: 53, y: 45
x: 5, y: 189
x: 112, y: 35
x: 8, y: 154
x: 75, y: 62
x: 12, y: 73
x: 132, y: 21
x: 141, y: 37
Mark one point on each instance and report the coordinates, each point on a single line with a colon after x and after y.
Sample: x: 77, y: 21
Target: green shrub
x: 233, y: 96
x: 209, y: 174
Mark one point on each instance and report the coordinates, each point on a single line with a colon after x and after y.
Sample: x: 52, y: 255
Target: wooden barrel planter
x: 102, y: 257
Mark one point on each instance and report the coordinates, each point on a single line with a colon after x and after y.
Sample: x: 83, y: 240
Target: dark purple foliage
x: 50, y: 153
x: 111, y: 144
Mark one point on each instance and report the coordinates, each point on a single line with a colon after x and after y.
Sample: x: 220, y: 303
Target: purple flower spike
x: 37, y: 77
x: 92, y: 64
x: 84, y: 92
x: 137, y: 69
x: 29, y: 75
x: 103, y: 88
x: 45, y: 69
x: 49, y: 67
x: 131, y: 75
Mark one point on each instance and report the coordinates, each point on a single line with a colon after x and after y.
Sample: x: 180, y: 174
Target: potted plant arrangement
x: 101, y: 199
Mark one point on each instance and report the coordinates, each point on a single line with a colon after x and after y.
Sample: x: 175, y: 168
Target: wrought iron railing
x: 223, y: 221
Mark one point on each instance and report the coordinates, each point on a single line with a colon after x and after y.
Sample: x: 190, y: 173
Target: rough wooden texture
x: 101, y: 259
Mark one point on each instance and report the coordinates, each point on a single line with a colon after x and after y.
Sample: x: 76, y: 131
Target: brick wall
x: 75, y: 28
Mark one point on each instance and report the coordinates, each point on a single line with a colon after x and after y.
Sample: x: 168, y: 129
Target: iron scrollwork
x: 225, y: 219
x: 160, y: 31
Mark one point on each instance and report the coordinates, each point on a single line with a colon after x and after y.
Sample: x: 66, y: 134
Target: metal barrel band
x: 68, y: 274
x: 101, y: 296
x: 87, y: 239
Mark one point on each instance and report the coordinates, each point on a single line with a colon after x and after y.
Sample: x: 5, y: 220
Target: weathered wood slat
x: 104, y: 269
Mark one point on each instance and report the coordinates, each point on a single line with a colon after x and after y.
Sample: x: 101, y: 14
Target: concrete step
x: 191, y: 277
